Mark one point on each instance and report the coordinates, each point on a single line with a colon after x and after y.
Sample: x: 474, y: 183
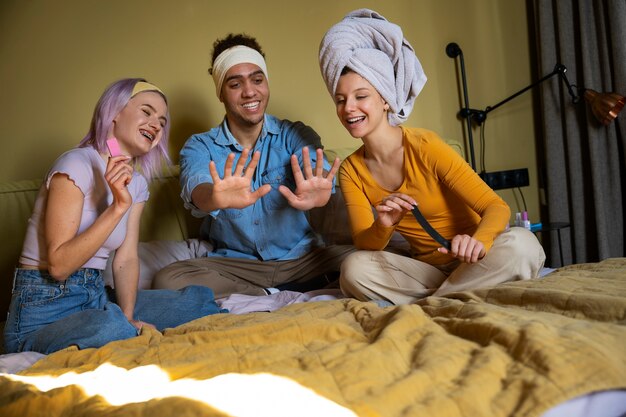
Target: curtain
x: 582, y: 163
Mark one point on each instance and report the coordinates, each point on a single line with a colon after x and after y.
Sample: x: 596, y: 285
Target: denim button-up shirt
x: 270, y: 229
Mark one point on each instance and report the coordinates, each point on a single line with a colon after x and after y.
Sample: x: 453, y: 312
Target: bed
x: 547, y: 347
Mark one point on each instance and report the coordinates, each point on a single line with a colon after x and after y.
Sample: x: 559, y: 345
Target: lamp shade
x: 604, y: 106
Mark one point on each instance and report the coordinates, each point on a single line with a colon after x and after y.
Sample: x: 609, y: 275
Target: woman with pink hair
x: 89, y: 208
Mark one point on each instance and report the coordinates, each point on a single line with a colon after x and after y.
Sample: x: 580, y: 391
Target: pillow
x: 155, y: 255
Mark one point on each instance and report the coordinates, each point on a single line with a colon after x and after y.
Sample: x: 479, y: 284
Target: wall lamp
x: 604, y: 106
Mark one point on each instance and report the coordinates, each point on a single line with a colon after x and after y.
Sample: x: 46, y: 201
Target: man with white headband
x: 252, y: 178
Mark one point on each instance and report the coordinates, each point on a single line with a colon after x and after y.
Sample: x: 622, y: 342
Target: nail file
x: 429, y: 229
x: 114, y: 147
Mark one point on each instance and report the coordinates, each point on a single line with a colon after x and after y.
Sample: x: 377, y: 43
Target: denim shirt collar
x: 225, y: 137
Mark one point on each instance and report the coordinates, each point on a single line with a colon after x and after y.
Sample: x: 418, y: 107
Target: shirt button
x: 256, y: 222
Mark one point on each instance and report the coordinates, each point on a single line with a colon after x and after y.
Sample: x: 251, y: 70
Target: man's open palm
x: 234, y: 189
x: 312, y: 189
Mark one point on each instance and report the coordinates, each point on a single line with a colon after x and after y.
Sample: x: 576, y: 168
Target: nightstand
x: 551, y: 227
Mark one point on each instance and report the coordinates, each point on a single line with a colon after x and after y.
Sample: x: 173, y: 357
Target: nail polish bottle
x: 525, y: 221
x: 518, y: 219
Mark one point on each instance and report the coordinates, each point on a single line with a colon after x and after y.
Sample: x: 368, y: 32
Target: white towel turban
x: 374, y: 48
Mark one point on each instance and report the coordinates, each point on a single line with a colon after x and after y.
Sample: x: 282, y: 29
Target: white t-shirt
x: 85, y: 167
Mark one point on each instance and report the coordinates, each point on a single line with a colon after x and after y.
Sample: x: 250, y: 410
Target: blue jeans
x: 46, y: 315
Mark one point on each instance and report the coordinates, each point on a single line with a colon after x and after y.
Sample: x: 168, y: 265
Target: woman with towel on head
x: 373, y: 75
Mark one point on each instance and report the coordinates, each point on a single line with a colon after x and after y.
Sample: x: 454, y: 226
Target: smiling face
x: 139, y: 126
x: 361, y: 110
x: 245, y: 94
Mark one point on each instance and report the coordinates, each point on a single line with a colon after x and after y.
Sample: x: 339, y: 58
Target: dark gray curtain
x: 582, y: 162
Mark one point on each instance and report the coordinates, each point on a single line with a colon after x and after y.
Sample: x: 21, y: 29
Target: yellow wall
x: 58, y: 56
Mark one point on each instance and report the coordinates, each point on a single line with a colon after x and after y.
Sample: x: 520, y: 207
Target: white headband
x: 232, y: 56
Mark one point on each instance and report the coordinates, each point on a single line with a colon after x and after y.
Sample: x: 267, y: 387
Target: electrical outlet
x: 512, y: 178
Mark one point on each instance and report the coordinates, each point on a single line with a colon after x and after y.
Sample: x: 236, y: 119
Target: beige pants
x: 380, y: 275
x: 227, y: 276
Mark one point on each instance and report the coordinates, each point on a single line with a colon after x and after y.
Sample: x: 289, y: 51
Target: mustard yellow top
x: 450, y: 195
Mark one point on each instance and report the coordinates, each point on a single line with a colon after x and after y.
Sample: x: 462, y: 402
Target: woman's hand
x: 392, y: 208
x: 466, y: 249
x: 118, y: 175
x: 138, y: 324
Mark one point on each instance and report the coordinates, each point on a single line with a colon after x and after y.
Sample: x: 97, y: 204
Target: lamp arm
x: 480, y: 115
x: 556, y: 71
x: 570, y: 87
x: 453, y: 51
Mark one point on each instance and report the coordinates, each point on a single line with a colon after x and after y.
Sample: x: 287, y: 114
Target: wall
x: 58, y: 56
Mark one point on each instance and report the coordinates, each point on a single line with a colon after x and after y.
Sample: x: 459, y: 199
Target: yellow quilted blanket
x: 512, y: 350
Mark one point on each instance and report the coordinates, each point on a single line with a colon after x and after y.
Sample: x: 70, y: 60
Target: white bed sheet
x: 611, y: 403
x: 12, y: 363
